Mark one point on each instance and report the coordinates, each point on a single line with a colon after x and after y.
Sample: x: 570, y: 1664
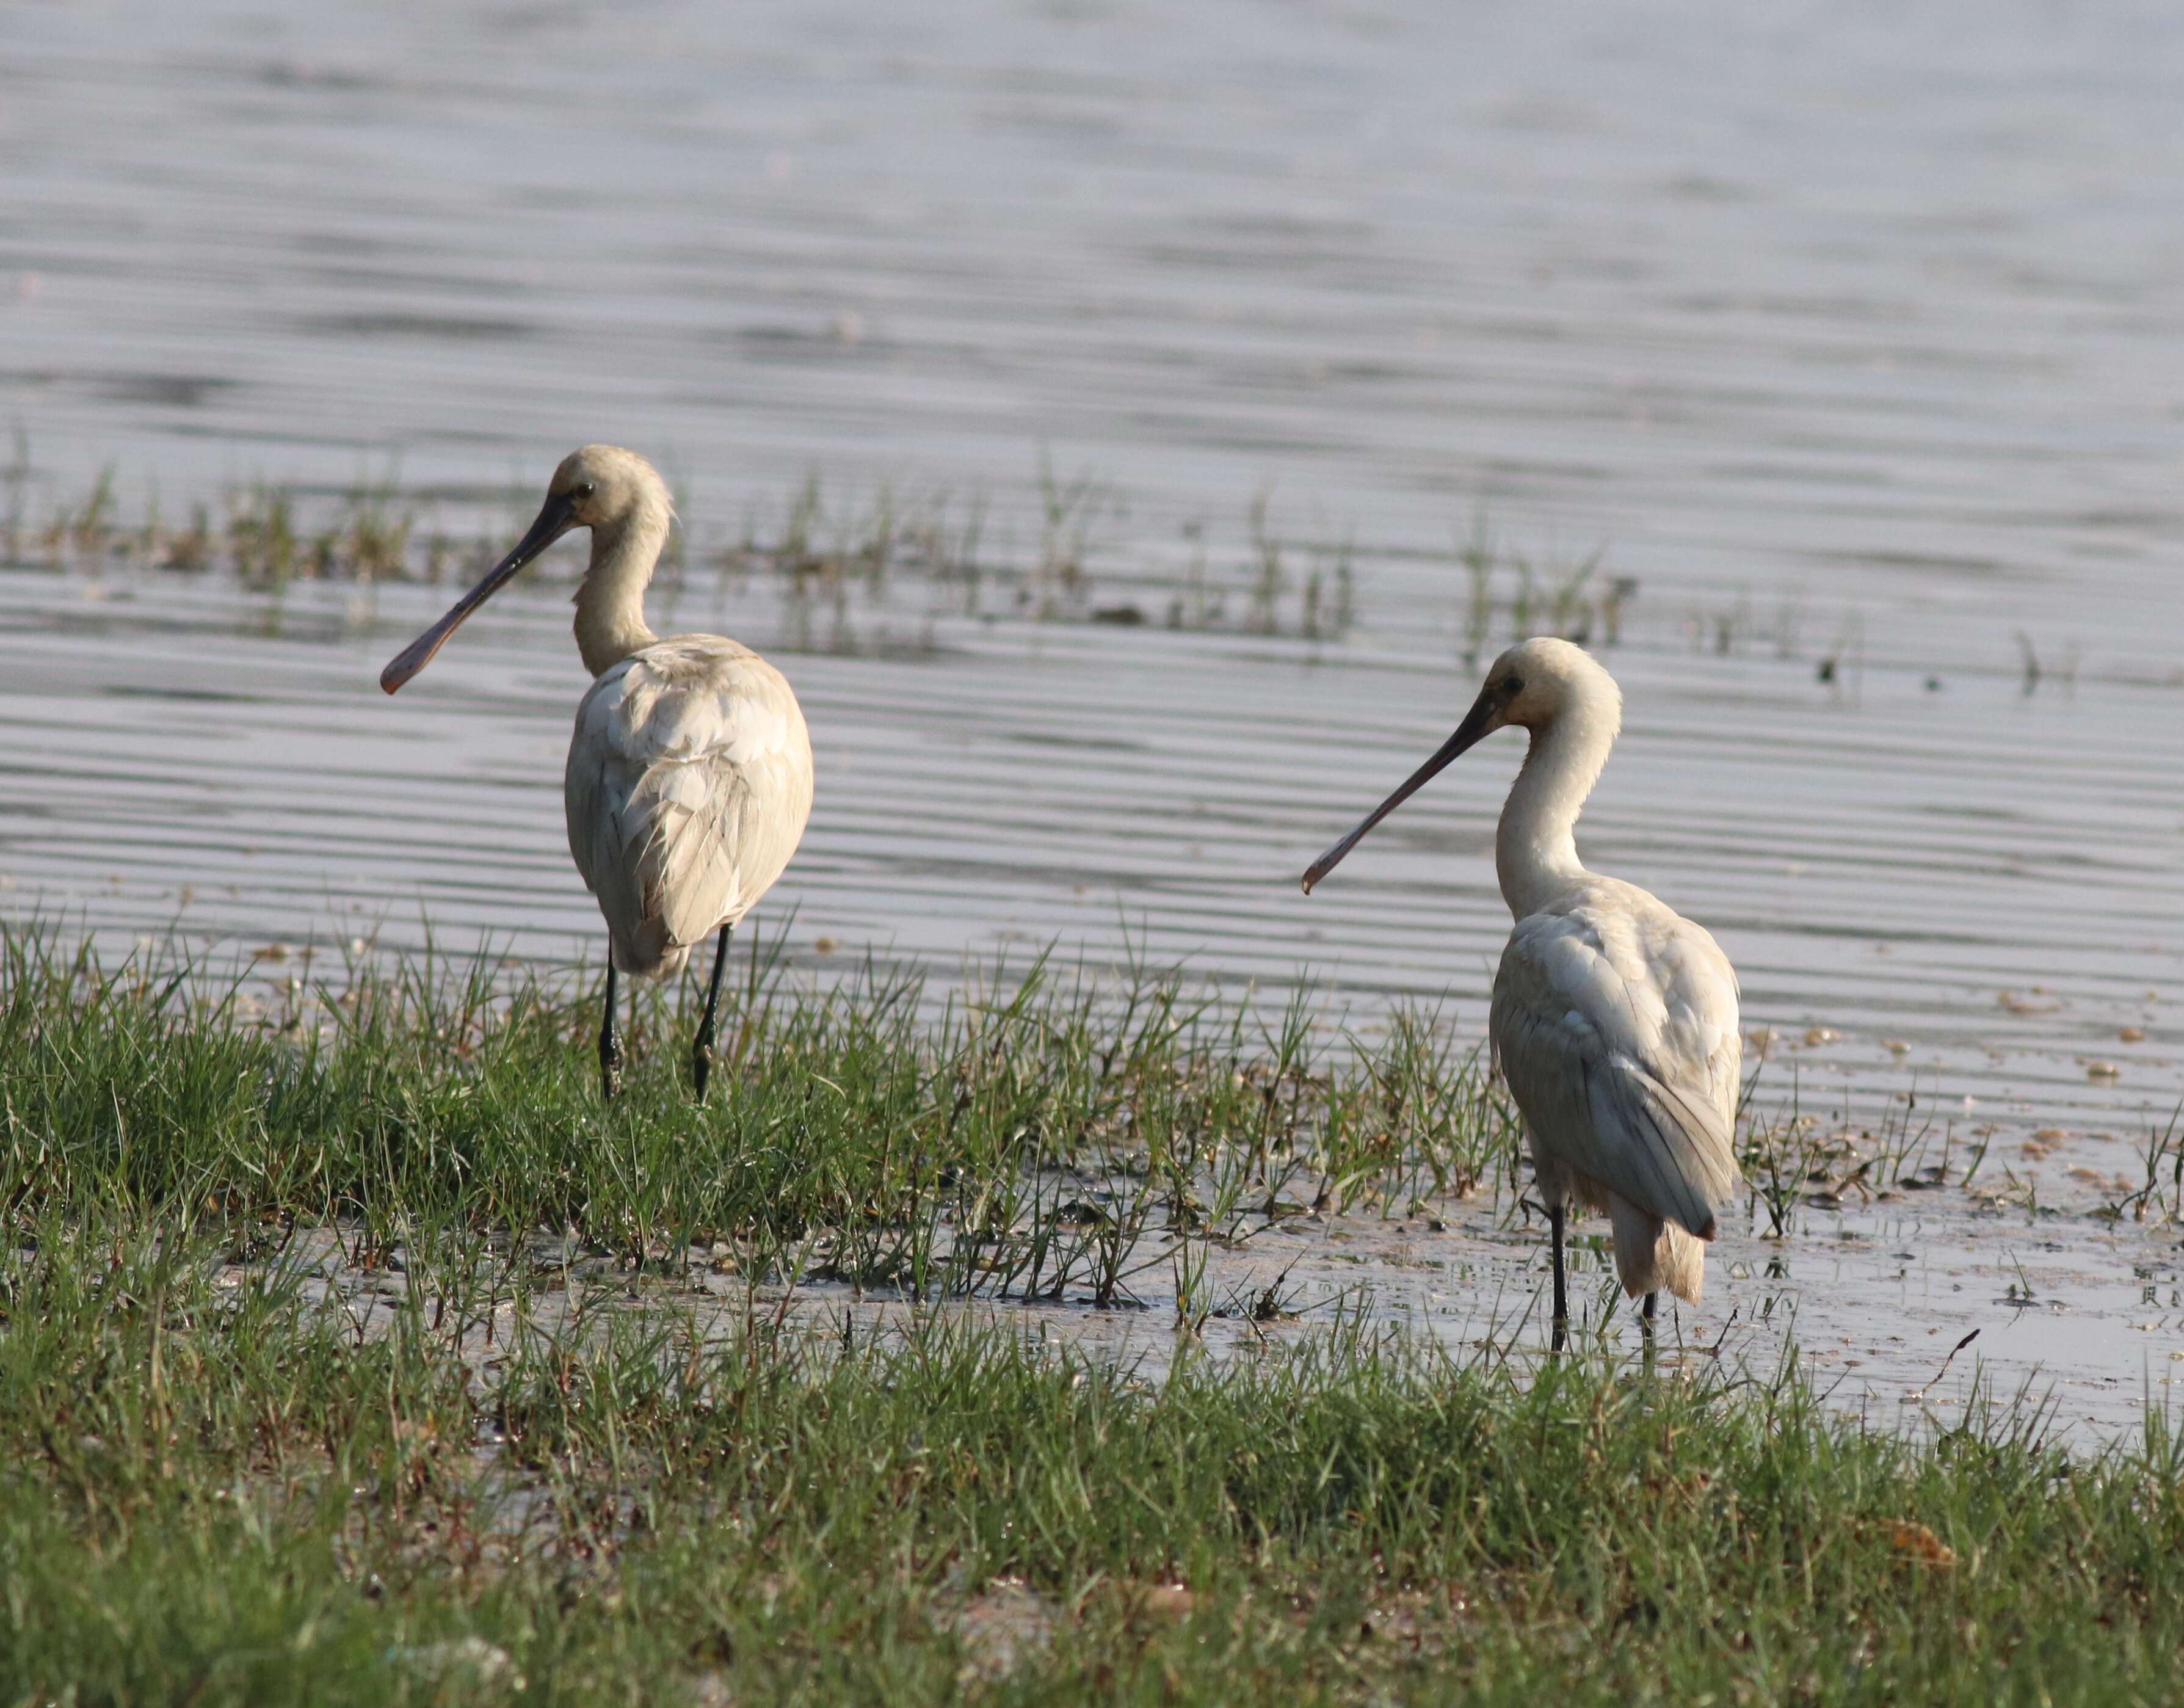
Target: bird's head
x: 597, y: 486
x: 601, y: 485
x: 1539, y: 682
x: 1534, y: 685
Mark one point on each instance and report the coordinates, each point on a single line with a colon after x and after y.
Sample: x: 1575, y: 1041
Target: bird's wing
x: 1616, y: 1025
x: 688, y: 787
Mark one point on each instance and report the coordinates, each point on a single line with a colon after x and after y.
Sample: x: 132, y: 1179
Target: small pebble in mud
x: 1895, y: 1047
x: 824, y: 946
x: 1815, y: 1036
x: 2132, y: 1035
x: 2100, y: 1070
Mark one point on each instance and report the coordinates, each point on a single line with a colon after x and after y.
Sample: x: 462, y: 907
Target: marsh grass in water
x: 837, y: 556
x: 2160, y: 1199
x: 1793, y: 1161
x: 876, y: 569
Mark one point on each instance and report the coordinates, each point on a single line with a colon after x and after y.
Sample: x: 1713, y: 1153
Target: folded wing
x: 1615, y: 1022
x: 688, y: 787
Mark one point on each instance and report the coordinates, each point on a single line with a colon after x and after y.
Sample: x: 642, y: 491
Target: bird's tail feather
x: 1651, y: 1253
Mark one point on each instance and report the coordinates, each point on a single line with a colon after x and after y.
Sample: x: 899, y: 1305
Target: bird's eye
x: 582, y: 489
x: 1512, y: 686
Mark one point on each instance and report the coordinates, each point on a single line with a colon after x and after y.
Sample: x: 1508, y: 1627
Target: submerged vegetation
x: 877, y: 569
x: 354, y: 1351
x: 1050, y: 557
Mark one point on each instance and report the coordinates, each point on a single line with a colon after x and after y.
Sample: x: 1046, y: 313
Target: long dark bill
x: 552, y: 523
x: 1477, y: 724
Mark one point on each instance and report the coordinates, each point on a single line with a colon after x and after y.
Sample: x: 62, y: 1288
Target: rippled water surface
x: 1844, y: 332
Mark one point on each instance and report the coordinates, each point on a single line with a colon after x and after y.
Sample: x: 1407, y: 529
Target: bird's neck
x: 610, y: 621
x: 1535, y: 844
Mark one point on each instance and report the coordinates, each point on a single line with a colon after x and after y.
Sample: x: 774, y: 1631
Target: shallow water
x: 1848, y: 330
x: 1911, y: 1309
x: 1906, y: 1309
x: 2081, y: 1318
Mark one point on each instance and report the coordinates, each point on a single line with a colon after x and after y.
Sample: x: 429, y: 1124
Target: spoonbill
x: 689, y: 777
x: 1614, y: 1018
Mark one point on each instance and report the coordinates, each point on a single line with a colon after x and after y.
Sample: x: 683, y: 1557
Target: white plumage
x: 689, y: 778
x: 1615, y: 1025
x: 688, y: 785
x: 1614, y: 1018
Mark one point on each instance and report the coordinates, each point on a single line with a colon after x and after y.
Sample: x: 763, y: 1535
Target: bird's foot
x: 701, y: 1067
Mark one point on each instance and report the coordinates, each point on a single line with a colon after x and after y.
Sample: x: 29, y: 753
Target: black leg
x: 701, y: 1054
x: 1562, y: 1288
x: 610, y: 1045
x: 1645, y: 1317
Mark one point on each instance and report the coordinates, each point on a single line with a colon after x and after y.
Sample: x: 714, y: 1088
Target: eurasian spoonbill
x: 1614, y: 1018
x: 689, y: 776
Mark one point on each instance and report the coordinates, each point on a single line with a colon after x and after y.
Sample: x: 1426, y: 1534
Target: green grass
x: 296, y: 1404
x: 1017, y: 1141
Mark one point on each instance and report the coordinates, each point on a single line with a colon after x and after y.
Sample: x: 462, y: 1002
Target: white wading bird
x: 689, y: 777
x: 1614, y: 1020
